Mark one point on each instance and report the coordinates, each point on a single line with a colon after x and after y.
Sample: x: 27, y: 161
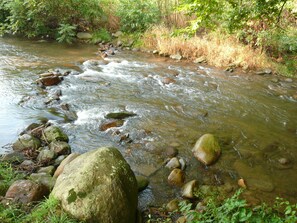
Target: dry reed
x: 218, y: 50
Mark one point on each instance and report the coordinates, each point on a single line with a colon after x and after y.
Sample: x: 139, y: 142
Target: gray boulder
x: 26, y: 141
x: 207, y: 149
x: 98, y: 186
x: 60, y: 148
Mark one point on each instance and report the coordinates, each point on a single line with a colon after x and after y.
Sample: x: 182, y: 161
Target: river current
x: 254, y: 117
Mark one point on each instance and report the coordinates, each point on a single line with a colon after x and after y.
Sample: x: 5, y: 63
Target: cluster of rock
x: 206, y: 150
x: 98, y: 186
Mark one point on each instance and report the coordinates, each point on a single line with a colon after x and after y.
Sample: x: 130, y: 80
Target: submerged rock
x: 26, y: 141
x: 207, y: 149
x: 98, y: 186
x: 49, y: 81
x: 168, y: 80
x: 254, y: 177
x: 142, y: 182
x: 120, y: 115
x: 111, y: 124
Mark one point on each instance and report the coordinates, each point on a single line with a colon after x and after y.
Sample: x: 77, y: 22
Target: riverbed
x: 254, y: 117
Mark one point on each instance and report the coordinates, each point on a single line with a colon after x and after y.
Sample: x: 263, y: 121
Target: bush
x: 101, y: 35
x: 40, y: 18
x: 66, y: 33
x: 137, y: 16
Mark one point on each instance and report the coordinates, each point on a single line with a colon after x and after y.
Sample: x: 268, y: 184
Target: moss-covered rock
x: 98, y: 186
x: 26, y: 141
x: 53, y: 133
x: 207, y: 149
x: 120, y: 115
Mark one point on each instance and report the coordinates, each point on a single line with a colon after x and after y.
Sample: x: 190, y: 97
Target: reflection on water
x: 254, y: 117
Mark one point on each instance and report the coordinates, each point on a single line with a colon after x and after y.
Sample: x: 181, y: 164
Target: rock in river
x: 49, y: 81
x: 120, y: 115
x: 98, y: 186
x: 53, y: 133
x: 254, y: 177
x: 26, y: 141
x: 176, y: 177
x: 207, y: 149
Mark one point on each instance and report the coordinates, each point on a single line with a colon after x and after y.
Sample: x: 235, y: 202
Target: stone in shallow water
x: 255, y: 177
x: 142, y: 182
x: 207, y: 149
x: 53, y: 133
x: 120, y: 115
x: 111, y: 124
x: 176, y: 177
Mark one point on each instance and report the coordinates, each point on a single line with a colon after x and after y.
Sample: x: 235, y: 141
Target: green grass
x: 7, y: 176
x: 47, y: 211
x: 235, y: 210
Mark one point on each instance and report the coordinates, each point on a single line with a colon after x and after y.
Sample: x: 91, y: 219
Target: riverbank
x: 31, y: 181
x: 167, y: 105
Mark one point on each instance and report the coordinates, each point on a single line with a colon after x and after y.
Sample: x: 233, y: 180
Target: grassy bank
x: 249, y: 34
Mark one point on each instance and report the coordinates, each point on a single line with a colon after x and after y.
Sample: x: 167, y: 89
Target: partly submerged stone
x: 53, y: 133
x: 120, y: 115
x: 49, y: 81
x: 207, y: 149
x: 255, y: 177
x: 142, y: 182
x: 26, y: 141
x: 176, y: 177
x: 111, y: 124
x: 98, y: 186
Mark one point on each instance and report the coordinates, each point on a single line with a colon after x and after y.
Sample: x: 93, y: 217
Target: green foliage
x: 101, y: 35
x: 233, y: 15
x: 7, y: 176
x: 43, y: 18
x: 66, y: 33
x: 48, y: 211
x: 235, y: 210
x: 137, y: 16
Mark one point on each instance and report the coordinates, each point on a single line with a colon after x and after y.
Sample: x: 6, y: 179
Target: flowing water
x: 254, y: 117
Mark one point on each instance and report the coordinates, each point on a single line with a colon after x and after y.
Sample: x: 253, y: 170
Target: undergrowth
x: 235, y: 210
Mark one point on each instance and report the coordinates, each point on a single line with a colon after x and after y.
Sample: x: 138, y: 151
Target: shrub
x: 66, y: 33
x: 101, y: 35
x: 137, y: 16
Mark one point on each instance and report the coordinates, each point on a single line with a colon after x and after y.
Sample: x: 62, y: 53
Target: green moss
x: 72, y: 196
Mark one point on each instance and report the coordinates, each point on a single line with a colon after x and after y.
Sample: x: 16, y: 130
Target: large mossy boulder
x: 98, y: 186
x: 53, y: 133
x: 26, y: 141
x: 207, y: 149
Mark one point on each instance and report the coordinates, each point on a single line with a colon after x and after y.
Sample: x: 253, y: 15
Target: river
x: 254, y: 117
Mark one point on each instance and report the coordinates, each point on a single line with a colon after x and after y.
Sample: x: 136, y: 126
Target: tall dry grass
x: 219, y: 50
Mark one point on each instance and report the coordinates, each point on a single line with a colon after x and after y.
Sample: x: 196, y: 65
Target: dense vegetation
x: 268, y: 26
